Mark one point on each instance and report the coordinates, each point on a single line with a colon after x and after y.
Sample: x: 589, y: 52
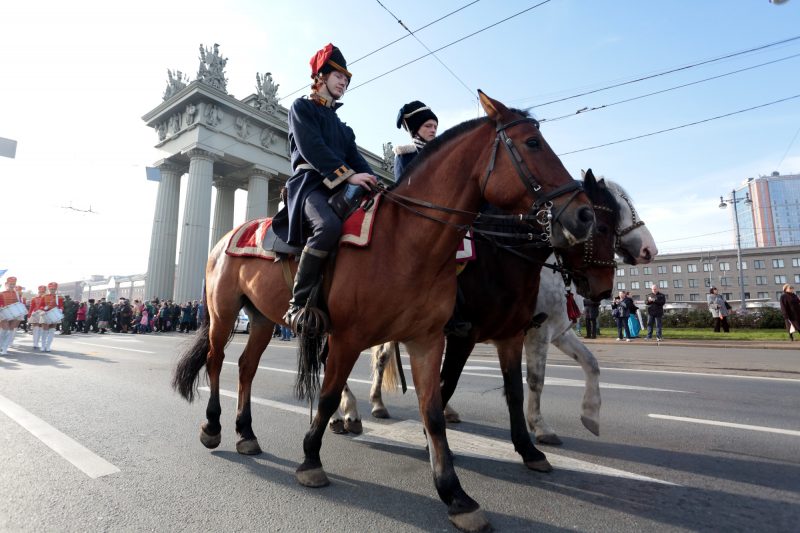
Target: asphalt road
x: 692, y: 438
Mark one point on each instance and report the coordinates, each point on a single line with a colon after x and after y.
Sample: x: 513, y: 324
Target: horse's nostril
x: 586, y: 215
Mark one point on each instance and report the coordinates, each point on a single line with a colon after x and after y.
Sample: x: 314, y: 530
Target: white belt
x: 304, y: 166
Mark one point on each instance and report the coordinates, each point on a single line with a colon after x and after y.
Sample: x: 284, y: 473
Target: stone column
x: 274, y: 198
x: 223, y: 211
x: 258, y: 193
x: 164, y: 238
x: 196, y: 227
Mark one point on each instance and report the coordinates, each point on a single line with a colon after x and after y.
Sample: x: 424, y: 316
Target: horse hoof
x: 353, y: 426
x: 591, y: 425
x: 542, y: 465
x: 248, y: 447
x: 551, y: 439
x: 210, y: 441
x: 451, y: 417
x: 337, y: 426
x: 314, y: 478
x: 473, y: 522
x: 380, y: 412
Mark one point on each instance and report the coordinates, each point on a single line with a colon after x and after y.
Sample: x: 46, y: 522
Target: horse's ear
x: 492, y: 107
x: 588, y: 179
x: 583, y: 174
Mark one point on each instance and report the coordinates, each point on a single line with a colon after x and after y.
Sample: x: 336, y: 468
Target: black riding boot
x: 457, y: 325
x: 308, y: 272
x: 345, y: 201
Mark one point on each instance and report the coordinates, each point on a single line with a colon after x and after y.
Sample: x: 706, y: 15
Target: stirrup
x: 309, y: 321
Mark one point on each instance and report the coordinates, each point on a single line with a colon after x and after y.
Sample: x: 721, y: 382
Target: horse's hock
x: 221, y: 142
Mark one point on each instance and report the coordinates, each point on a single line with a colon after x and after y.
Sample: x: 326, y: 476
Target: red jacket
x: 50, y: 301
x: 36, y: 305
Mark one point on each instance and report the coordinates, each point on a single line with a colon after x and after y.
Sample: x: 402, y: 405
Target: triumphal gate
x: 220, y: 144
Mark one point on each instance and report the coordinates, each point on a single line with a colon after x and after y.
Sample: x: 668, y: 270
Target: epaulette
x: 405, y: 149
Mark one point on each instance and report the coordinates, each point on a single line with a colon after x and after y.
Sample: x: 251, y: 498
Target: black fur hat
x: 413, y: 115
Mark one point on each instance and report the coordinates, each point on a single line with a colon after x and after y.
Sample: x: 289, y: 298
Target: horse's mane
x: 618, y: 190
x: 436, y: 144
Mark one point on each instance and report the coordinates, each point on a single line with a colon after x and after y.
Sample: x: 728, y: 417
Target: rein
x: 542, y: 204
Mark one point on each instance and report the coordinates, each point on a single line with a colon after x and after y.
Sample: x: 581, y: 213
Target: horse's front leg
x: 536, y: 344
x: 569, y: 343
x: 339, y: 364
x: 510, y: 353
x: 426, y: 359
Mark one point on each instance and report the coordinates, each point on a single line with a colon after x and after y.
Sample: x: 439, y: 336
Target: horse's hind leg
x: 380, y: 358
x: 510, y: 353
x: 536, y: 344
x: 569, y: 343
x: 260, y: 334
x: 351, y: 423
x: 221, y: 324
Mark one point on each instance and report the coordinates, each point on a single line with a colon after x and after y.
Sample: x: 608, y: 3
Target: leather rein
x: 541, y: 207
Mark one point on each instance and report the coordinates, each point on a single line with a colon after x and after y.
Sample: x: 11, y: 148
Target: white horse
x: 635, y: 245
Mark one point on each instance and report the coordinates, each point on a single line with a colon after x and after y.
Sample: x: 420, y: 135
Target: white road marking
x: 114, y: 347
x: 748, y: 427
x: 81, y: 457
x: 684, y: 373
x: 555, y: 382
x: 408, y: 434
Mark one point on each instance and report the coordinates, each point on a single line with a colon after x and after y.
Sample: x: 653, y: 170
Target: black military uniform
x: 323, y: 155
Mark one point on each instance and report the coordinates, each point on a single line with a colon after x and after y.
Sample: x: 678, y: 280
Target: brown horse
x: 412, y: 257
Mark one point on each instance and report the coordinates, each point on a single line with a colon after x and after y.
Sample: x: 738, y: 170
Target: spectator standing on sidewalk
x: 634, y: 326
x: 619, y: 310
x: 590, y: 312
x: 790, y: 308
x: 720, y: 309
x: 655, y: 311
x: 103, y: 315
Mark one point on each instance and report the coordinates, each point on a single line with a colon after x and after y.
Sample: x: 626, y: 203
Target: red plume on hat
x: 327, y: 59
x: 52, y: 285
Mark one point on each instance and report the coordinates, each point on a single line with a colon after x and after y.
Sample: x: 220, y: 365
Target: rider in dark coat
x: 421, y: 123
x: 329, y: 172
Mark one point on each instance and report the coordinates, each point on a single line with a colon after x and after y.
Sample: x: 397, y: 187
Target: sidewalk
x: 722, y: 343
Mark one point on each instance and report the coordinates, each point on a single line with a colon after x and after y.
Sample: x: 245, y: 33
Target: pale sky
x: 78, y: 76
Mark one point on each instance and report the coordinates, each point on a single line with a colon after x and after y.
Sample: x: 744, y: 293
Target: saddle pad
x: 247, y: 240
x: 357, y: 229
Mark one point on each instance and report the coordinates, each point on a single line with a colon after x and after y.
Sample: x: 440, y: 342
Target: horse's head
x: 635, y: 243
x: 592, y: 263
x: 525, y: 175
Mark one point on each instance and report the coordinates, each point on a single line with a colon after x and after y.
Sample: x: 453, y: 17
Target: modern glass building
x: 773, y: 218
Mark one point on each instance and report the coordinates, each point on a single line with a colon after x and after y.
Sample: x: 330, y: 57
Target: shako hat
x: 413, y: 115
x: 52, y: 285
x: 328, y: 59
x: 42, y: 288
x: 11, y: 280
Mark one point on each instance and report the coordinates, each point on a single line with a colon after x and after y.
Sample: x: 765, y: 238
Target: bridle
x: 635, y: 221
x: 541, y: 207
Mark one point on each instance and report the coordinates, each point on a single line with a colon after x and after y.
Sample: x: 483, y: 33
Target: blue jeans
x: 622, y: 323
x: 286, y: 333
x: 657, y: 320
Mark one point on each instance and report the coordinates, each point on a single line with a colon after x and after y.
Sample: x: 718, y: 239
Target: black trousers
x: 722, y: 321
x: 326, y: 227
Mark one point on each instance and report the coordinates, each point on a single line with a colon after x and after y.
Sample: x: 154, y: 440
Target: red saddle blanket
x: 248, y: 239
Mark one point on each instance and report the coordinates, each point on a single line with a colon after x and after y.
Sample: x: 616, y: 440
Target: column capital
x: 169, y: 166
x: 224, y: 182
x: 262, y: 172
x: 199, y: 153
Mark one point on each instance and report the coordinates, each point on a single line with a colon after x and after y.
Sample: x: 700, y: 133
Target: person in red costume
x: 11, y: 312
x: 36, y: 316
x: 51, y: 300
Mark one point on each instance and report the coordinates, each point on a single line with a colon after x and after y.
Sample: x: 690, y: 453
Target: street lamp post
x: 722, y: 205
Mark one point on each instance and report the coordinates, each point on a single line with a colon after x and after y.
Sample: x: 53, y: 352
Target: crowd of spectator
x: 102, y: 316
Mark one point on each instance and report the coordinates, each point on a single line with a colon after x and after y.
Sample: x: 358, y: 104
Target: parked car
x: 242, y: 323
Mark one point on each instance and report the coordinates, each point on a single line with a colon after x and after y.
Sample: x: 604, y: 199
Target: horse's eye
x: 533, y: 142
x: 603, y: 229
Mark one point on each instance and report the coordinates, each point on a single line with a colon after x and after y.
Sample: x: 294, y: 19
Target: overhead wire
x: 665, y: 72
x: 679, y: 127
x: 469, y: 91
x: 626, y: 100
x: 431, y: 23
x: 449, y: 44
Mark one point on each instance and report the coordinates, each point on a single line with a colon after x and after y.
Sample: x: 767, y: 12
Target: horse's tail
x: 391, y: 374
x: 193, y: 359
